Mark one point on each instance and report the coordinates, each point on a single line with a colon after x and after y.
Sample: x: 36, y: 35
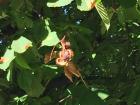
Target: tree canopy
x: 69, y: 52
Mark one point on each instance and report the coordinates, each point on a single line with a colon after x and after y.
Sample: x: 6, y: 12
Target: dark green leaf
x: 4, y: 83
x: 86, y: 97
x: 127, y: 3
x: 22, y: 62
x: 30, y: 83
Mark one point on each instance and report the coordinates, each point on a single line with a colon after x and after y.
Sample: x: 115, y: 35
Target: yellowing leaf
x: 85, y: 5
x: 21, y: 45
x: 58, y: 3
x: 8, y: 57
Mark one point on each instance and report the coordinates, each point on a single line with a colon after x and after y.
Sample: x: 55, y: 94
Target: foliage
x: 104, y: 36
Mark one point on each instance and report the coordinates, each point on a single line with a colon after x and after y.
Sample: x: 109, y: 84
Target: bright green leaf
x: 103, y: 14
x: 23, y: 98
x: 102, y: 95
x: 93, y: 55
x: 58, y: 3
x: 21, y: 45
x: 47, y: 22
x: 51, y: 40
x: 138, y: 36
x: 51, y: 66
x: 9, y: 74
x: 8, y: 57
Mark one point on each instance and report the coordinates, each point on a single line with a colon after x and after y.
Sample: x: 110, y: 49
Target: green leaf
x: 32, y: 101
x: 128, y: 14
x: 49, y: 71
x: 22, y: 21
x: 58, y: 3
x: 51, y: 67
x: 9, y: 74
x: 30, y: 84
x: 3, y: 15
x: 138, y: 99
x: 102, y: 95
x: 127, y: 3
x: 29, y: 5
x: 16, y: 4
x: 45, y: 100
x: 4, y: 83
x: 121, y: 16
x: 134, y: 93
x: 36, y: 88
x: 86, y: 5
x: 25, y: 80
x: 80, y: 28
x: 51, y: 40
x: 103, y: 14
x: 23, y: 98
x: 2, y: 100
x: 138, y: 2
x: 91, y: 97
x: 93, y: 55
x: 22, y: 62
x: 8, y: 57
x: 21, y: 45
x: 131, y: 14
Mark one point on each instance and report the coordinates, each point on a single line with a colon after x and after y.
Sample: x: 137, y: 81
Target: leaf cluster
x: 104, y: 36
